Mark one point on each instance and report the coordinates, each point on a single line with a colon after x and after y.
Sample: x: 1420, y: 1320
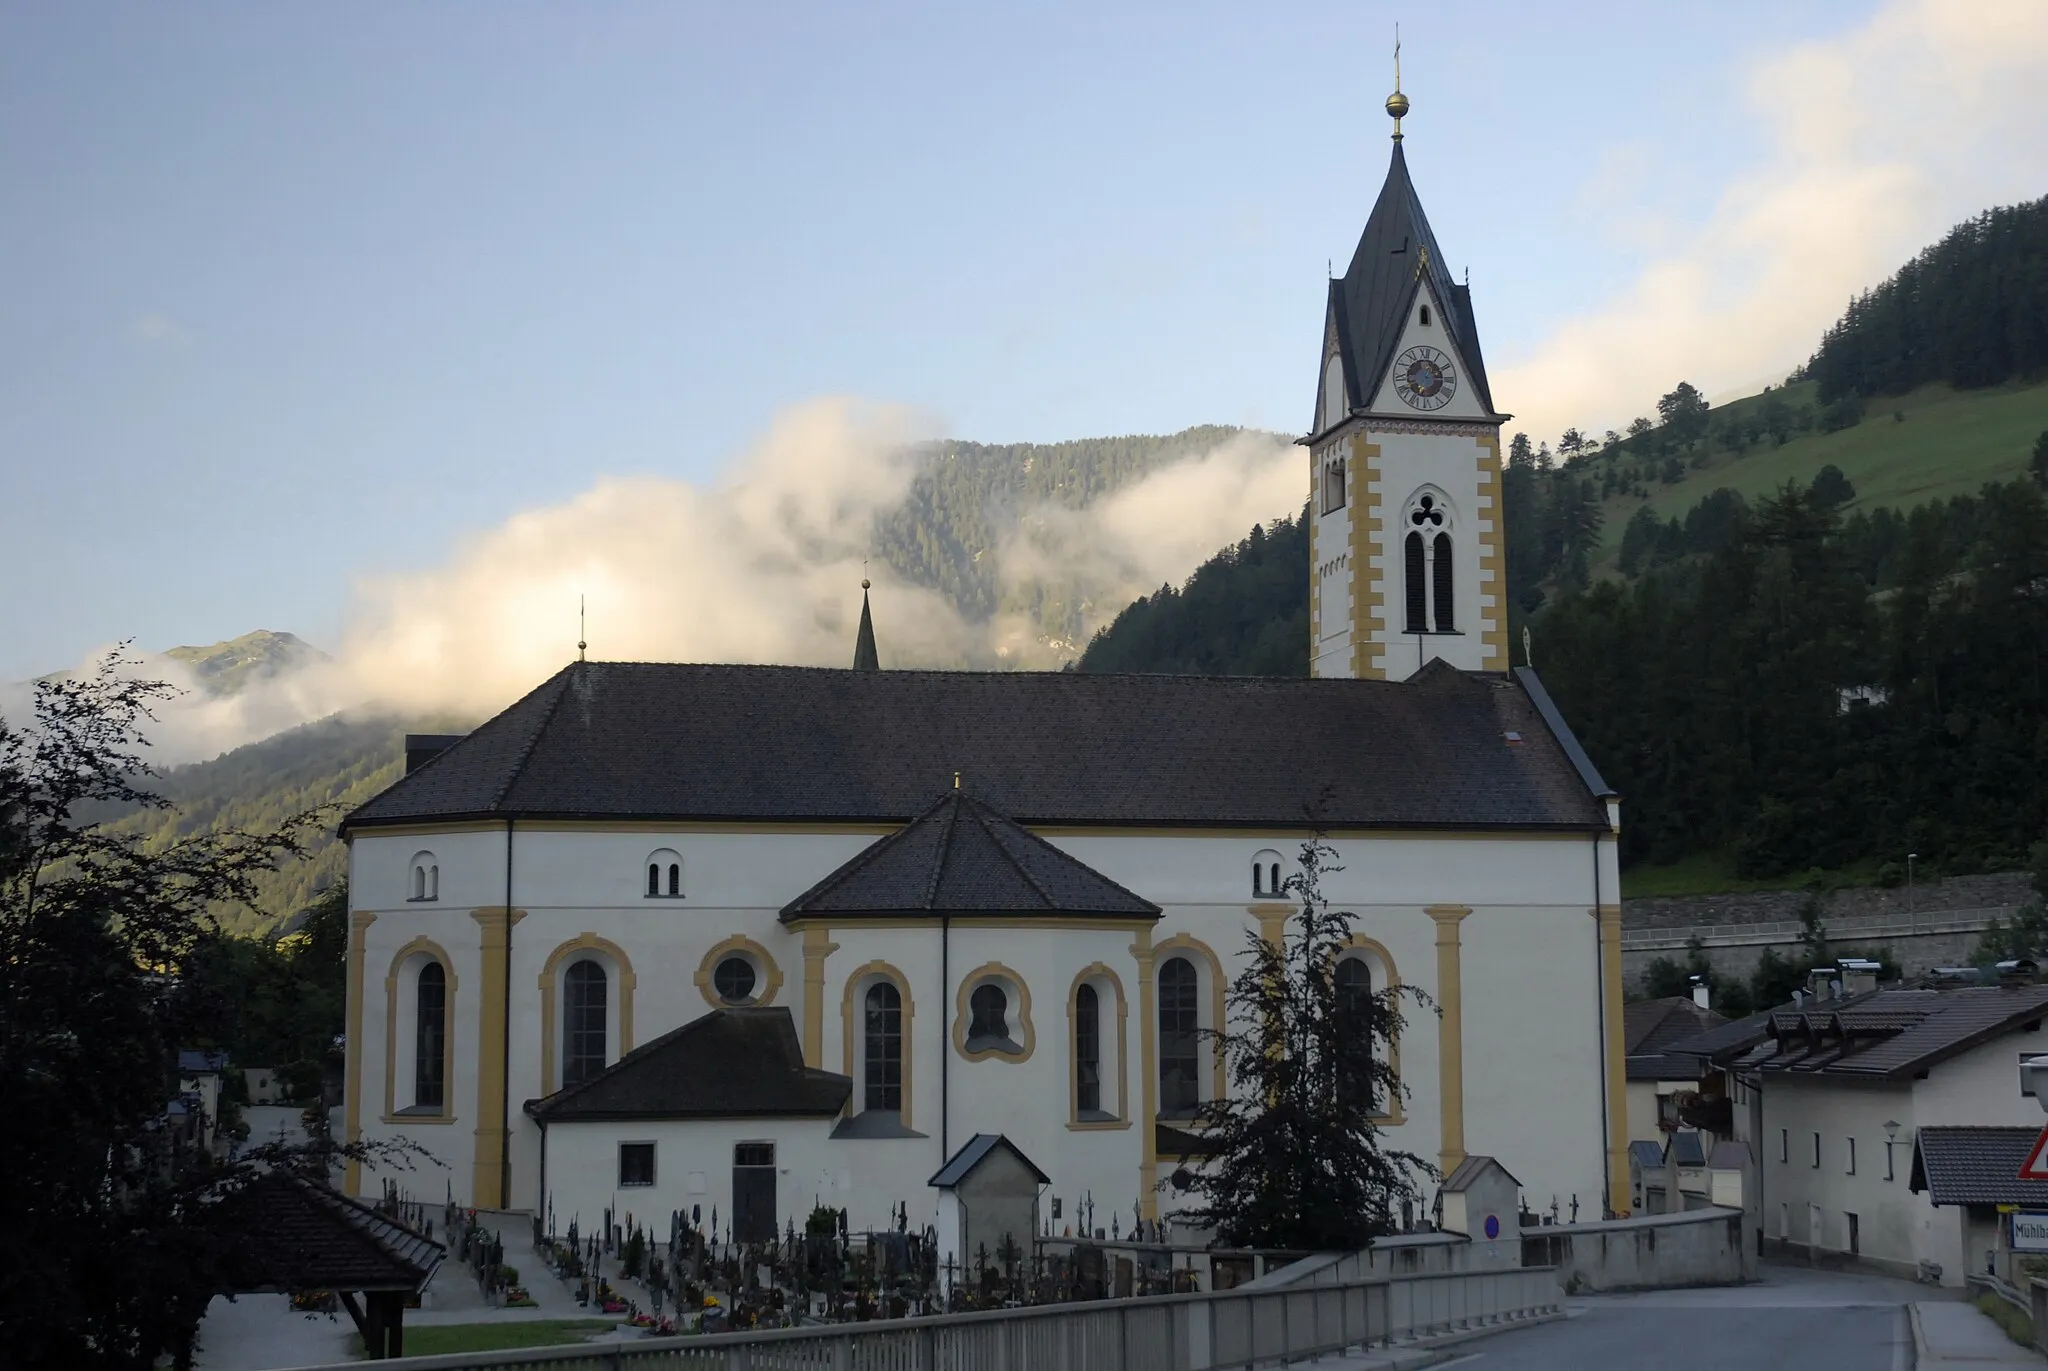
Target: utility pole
x: 1912, y: 915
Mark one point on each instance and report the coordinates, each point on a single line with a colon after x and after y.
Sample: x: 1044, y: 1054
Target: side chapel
x: 748, y: 939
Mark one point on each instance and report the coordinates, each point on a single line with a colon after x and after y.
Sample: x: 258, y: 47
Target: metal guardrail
x: 1788, y: 930
x: 1233, y: 1328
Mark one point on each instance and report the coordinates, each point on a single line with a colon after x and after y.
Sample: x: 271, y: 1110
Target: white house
x: 853, y: 918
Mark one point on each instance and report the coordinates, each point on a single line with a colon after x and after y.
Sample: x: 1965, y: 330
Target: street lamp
x: 1912, y: 919
x: 1891, y: 1135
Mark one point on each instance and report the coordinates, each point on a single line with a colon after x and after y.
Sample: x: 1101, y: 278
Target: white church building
x: 749, y: 939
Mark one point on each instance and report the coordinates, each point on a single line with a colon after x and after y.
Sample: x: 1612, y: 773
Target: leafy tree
x: 1831, y: 488
x: 1299, y: 1161
x: 1684, y: 413
x: 2037, y: 466
x: 113, y: 1245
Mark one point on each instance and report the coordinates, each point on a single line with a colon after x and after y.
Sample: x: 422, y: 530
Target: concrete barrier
x: 1653, y: 1252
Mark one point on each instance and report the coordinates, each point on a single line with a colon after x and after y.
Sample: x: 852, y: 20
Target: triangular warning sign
x: 2035, y: 1167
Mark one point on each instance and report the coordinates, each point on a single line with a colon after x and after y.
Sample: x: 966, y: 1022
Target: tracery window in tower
x: 1333, y: 484
x: 882, y: 1063
x: 1180, y: 1087
x: 430, y: 1037
x: 1429, y: 564
x: 583, y: 1030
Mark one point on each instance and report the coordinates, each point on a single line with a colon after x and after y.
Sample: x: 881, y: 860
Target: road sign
x: 2035, y: 1167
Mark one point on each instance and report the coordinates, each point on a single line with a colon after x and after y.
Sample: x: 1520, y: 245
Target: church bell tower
x: 1406, y: 561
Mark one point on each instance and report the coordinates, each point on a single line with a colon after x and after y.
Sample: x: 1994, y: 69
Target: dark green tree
x: 1684, y: 414
x: 1299, y: 1161
x: 2037, y: 465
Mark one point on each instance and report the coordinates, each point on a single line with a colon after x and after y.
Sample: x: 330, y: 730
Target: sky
x: 307, y: 309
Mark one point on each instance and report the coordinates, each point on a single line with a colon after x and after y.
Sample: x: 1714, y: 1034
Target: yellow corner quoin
x: 488, y: 1180
x: 1368, y: 589
x: 1493, y: 560
x: 358, y: 931
x: 818, y: 945
x: 1450, y: 998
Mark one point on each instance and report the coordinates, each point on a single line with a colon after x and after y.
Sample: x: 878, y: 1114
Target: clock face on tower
x: 1424, y: 378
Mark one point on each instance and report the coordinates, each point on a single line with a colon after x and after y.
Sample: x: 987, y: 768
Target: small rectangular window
x: 1852, y: 1156
x: 1784, y: 1144
x: 1816, y: 1151
x: 753, y: 1154
x: 636, y: 1163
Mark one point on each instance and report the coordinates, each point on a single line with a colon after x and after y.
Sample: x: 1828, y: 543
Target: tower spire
x: 865, y: 658
x: 1397, y: 103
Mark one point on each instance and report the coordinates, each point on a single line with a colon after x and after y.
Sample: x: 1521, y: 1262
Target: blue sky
x: 295, y: 295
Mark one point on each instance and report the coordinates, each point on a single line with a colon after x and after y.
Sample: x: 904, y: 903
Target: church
x: 745, y: 940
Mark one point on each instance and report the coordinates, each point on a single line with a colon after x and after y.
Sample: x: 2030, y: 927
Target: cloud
x: 1869, y: 145
x: 762, y: 565
x: 158, y: 330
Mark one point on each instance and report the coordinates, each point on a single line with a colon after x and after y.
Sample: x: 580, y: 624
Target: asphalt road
x: 1794, y: 1319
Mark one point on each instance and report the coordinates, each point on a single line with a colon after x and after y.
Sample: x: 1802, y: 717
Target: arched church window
x: 1425, y: 316
x: 1335, y: 403
x: 1180, y: 1089
x: 664, y: 875
x: 1333, y: 485
x: 426, y: 877
x: 583, y: 1029
x: 1087, y: 1052
x: 882, y: 1086
x: 1430, y: 589
x: 430, y: 1038
x: 1266, y: 879
x: 1353, y: 985
x: 988, y: 1021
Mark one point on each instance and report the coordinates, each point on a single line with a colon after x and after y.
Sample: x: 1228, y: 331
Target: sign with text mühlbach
x: 2030, y: 1232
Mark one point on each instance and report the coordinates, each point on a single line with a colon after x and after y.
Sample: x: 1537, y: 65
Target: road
x: 1793, y: 1318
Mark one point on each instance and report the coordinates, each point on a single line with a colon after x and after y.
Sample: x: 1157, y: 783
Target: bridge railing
x: 1235, y: 1328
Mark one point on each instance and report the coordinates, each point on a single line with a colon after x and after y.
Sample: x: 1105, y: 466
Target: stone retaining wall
x: 2001, y: 889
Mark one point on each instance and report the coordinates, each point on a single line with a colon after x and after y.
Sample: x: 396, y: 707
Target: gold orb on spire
x: 1397, y: 105
x: 863, y: 583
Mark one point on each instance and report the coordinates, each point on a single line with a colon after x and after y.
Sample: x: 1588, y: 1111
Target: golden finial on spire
x: 1397, y: 103
x: 582, y: 637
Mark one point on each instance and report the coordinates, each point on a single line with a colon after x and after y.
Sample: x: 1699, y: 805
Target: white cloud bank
x: 1870, y: 145
x: 763, y: 565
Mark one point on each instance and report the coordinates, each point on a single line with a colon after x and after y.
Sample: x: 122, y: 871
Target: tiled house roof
x: 1652, y: 1031
x: 961, y: 857
x: 752, y: 743
x: 1975, y: 1164
x: 693, y: 1072
x: 296, y: 1234
x: 1892, y: 1035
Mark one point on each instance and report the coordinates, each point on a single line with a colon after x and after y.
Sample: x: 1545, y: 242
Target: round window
x: 733, y: 979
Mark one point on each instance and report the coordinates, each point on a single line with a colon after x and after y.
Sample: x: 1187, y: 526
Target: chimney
x: 1858, y: 975
x: 421, y: 748
x: 1821, y: 981
x: 1702, y: 993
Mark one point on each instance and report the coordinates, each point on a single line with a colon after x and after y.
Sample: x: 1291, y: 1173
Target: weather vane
x: 1397, y: 103
x: 582, y: 637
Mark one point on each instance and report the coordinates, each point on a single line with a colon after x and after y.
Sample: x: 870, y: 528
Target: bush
x: 2017, y: 1326
x: 1891, y: 875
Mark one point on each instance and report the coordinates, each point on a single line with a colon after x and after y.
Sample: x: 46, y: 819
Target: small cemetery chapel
x: 749, y: 939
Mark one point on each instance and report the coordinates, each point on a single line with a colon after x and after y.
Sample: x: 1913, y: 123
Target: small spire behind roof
x: 865, y: 658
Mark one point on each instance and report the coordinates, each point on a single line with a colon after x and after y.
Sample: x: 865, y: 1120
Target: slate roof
x: 1891, y: 1035
x: 1653, y: 1029
x: 1469, y: 1170
x: 296, y: 1234
x: 767, y: 743
x: 1370, y: 303
x: 961, y: 857
x: 1976, y: 1164
x: 970, y: 1156
x: 695, y: 1072
x: 193, y: 1061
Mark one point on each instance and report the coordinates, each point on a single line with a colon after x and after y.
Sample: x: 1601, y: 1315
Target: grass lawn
x: 491, y: 1337
x: 1950, y: 443
x: 1713, y: 873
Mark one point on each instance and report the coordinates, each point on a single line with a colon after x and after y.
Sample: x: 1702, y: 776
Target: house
x: 202, y: 1078
x: 1850, y: 1091
x: 915, y: 907
x: 1665, y: 1088
x: 1970, y: 1176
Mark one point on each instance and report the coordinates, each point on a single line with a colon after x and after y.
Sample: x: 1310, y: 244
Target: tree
x: 1684, y: 412
x: 112, y: 1248
x: 2038, y: 466
x: 1298, y: 1160
x: 1520, y: 454
x: 1831, y: 488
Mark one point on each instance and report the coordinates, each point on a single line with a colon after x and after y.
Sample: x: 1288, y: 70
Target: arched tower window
x: 1430, y: 589
x: 664, y: 875
x: 1180, y: 1087
x: 882, y: 1083
x: 583, y: 1028
x: 1333, y: 484
x: 430, y: 1038
x: 1335, y: 403
x: 1087, y: 1051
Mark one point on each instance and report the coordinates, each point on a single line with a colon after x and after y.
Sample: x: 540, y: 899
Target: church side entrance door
x: 753, y: 1192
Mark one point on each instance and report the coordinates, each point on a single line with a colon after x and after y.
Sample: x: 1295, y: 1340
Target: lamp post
x: 1891, y: 1135
x: 1912, y: 917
